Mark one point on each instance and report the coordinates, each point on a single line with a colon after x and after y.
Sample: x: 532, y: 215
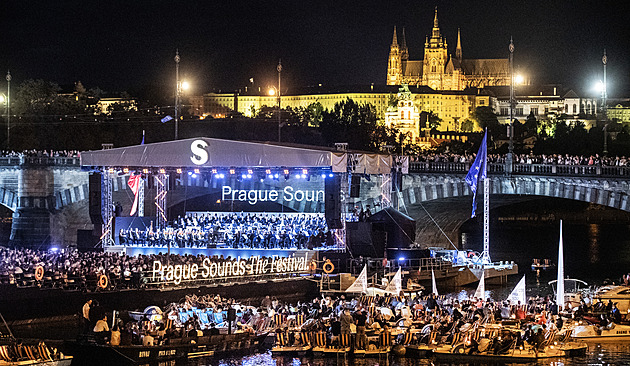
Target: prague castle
x: 439, y: 70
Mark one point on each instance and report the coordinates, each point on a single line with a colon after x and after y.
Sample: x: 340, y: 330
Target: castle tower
x: 458, y: 50
x: 404, y: 52
x: 394, y: 65
x: 435, y: 58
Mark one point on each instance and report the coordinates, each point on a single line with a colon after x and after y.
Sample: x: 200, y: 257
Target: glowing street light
x: 519, y: 79
x: 180, y: 86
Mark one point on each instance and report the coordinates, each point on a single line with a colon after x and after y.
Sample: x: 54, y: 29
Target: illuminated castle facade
x: 441, y: 71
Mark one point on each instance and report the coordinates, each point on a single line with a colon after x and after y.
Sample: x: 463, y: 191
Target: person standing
x: 346, y: 320
x: 361, y: 319
x: 86, y: 316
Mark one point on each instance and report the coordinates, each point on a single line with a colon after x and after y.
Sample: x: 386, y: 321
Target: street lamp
x: 180, y: 86
x: 8, y: 101
x: 279, y: 68
x: 604, y: 103
x: 510, y: 130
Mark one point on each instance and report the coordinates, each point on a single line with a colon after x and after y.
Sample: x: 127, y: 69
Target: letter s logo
x: 199, y: 153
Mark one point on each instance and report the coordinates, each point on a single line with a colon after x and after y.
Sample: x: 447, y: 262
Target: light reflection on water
x: 608, y: 353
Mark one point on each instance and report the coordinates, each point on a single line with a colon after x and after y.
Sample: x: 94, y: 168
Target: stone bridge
x: 49, y: 196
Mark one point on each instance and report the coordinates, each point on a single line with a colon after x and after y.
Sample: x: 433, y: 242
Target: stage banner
x: 209, y: 269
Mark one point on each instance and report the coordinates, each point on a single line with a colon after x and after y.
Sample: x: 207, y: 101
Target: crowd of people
x: 394, y: 317
x: 557, y: 159
x: 74, y: 270
x: 236, y: 230
x: 42, y: 153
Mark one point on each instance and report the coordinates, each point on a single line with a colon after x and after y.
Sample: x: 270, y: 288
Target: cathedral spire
x: 435, y: 19
x: 435, y: 36
x: 403, y: 48
x: 458, y: 50
x: 395, y: 39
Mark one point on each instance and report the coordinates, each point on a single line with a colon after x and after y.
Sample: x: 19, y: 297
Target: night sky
x: 128, y: 45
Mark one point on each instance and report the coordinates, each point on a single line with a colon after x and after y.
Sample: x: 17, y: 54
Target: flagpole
x: 485, y: 258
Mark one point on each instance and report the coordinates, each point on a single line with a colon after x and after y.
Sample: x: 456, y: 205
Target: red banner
x: 134, y: 184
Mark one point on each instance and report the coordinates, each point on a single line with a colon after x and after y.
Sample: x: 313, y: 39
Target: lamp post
x: 177, y: 91
x: 8, y: 110
x: 604, y: 104
x: 510, y: 130
x: 279, y: 68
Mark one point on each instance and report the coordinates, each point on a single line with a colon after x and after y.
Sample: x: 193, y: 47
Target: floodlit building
x: 438, y: 69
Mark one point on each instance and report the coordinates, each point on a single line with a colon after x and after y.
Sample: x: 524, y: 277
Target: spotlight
x: 189, y: 173
x: 323, y: 176
x: 179, y: 171
x: 270, y: 176
x: 249, y: 176
x: 303, y: 176
x: 232, y: 171
x: 214, y: 171
x: 250, y: 172
x: 194, y: 175
x: 110, y: 170
x: 243, y: 175
x: 268, y: 171
x: 196, y: 171
x: 401, y: 258
x: 162, y: 171
x: 125, y: 170
x: 330, y: 175
x: 145, y: 171
x: 304, y: 171
x: 297, y: 176
x: 275, y: 176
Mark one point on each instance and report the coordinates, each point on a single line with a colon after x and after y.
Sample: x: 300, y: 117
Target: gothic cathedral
x: 441, y: 71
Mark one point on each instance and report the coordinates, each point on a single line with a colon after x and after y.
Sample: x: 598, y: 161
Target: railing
x: 524, y: 169
x: 39, y: 160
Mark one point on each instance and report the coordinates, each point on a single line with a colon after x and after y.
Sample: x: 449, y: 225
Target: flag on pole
x: 142, y: 143
x: 478, y: 171
x: 134, y: 184
x: 166, y: 119
x: 433, y: 284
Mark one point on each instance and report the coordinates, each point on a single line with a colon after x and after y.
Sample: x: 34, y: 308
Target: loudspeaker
x: 355, y: 186
x: 332, y: 202
x: 231, y: 314
x: 95, y: 198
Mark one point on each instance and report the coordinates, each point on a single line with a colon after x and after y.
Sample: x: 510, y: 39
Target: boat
x: 14, y: 353
x: 482, y: 346
x: 574, y: 291
x: 34, y: 353
x: 544, y: 264
x: 591, y: 330
x: 616, y: 294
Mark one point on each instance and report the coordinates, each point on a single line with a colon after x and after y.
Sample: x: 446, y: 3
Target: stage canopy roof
x: 204, y: 152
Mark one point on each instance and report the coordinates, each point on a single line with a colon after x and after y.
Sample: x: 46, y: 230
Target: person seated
x: 101, y: 330
x: 148, y: 340
x: 213, y: 330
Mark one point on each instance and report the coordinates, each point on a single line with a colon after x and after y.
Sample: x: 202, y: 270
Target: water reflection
x: 593, y: 243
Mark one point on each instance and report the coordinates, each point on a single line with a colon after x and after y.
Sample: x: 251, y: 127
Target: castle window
x: 535, y: 111
x: 574, y: 108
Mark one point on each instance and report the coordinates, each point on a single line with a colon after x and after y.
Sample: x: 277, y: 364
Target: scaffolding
x: 107, y: 209
x: 161, y: 188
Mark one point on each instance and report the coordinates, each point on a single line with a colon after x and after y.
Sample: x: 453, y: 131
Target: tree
x: 531, y: 124
x: 485, y: 117
x: 353, y: 123
x: 467, y: 125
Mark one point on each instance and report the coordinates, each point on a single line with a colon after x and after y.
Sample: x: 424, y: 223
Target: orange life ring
x: 328, y: 266
x: 103, y: 281
x: 39, y: 273
x: 313, y: 265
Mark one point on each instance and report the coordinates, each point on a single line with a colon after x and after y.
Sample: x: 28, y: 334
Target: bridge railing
x: 39, y: 160
x: 524, y: 169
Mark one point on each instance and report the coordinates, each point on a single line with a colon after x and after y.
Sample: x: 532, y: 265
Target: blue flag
x: 478, y: 171
x: 166, y: 119
x: 142, y: 138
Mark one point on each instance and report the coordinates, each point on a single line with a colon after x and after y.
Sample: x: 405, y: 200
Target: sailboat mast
x: 486, y: 211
